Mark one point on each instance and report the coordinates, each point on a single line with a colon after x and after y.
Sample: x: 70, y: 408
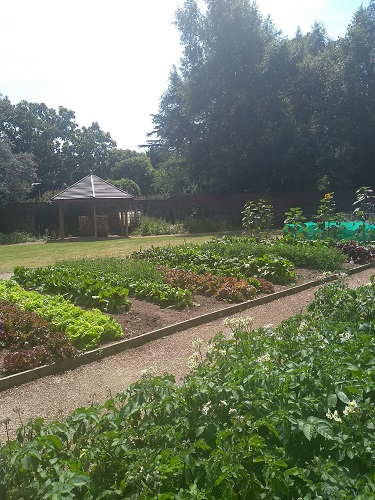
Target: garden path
x: 55, y: 397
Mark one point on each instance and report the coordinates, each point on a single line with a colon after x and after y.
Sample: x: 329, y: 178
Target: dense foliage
x: 224, y: 288
x: 42, y: 144
x: 250, y: 108
x: 244, y: 257
x: 30, y: 339
x: 85, y: 329
x: 104, y: 283
x: 280, y: 412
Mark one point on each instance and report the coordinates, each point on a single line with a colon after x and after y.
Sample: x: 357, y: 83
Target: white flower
x: 193, y: 361
x: 345, y: 336
x: 148, y: 372
x: 333, y: 416
x: 224, y: 403
x: 197, y: 344
x: 264, y: 359
x: 232, y: 411
x: 244, y: 324
x: 351, y: 409
x: 303, y: 325
x: 206, y: 408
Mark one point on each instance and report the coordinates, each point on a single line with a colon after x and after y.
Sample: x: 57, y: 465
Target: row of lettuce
x: 76, y: 297
x: 281, y: 412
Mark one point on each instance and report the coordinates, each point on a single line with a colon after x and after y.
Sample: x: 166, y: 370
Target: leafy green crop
x: 85, y: 329
x: 282, y: 412
x: 103, y: 283
x: 201, y: 259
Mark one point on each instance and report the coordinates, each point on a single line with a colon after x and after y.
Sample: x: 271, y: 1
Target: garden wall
x: 37, y: 218
x: 230, y: 206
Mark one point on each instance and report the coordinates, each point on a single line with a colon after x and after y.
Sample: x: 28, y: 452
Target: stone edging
x: 109, y: 350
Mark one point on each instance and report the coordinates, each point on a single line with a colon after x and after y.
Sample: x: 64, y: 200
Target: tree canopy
x: 17, y: 173
x: 58, y: 152
x: 251, y: 109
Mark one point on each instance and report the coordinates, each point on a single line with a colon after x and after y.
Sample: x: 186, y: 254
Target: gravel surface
x: 55, y: 397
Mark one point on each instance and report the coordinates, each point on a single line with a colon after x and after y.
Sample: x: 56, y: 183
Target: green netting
x: 345, y: 230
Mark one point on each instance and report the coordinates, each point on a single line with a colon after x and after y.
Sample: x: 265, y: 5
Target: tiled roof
x: 91, y: 187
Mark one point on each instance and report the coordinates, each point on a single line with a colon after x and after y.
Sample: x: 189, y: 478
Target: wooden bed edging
x: 109, y: 350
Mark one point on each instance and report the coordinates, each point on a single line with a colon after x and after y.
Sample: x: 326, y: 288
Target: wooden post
x: 61, y: 221
x: 94, y: 216
x: 126, y: 221
x: 122, y: 222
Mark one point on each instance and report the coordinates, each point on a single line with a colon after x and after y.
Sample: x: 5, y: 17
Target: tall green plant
x: 257, y: 218
x: 327, y: 218
x: 364, y: 206
x: 294, y: 224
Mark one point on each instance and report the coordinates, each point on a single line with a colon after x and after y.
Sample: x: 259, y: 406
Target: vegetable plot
x: 273, y: 413
x: 85, y: 329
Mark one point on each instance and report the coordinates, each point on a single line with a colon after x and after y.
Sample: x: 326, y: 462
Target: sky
x: 109, y: 61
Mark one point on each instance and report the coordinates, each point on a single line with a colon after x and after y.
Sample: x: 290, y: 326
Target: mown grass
x: 43, y: 254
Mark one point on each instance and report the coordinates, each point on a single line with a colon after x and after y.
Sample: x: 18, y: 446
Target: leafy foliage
x: 357, y: 254
x: 364, y: 208
x: 18, y: 171
x: 219, y: 287
x: 103, y: 283
x: 285, y: 412
x: 200, y: 259
x: 32, y: 340
x: 85, y: 329
x: 250, y: 109
x: 16, y: 237
x: 257, y: 218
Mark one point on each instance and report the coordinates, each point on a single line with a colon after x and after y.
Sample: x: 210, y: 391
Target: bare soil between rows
x: 144, y: 317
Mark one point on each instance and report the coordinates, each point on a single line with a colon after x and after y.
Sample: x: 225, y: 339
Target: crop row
x: 104, y: 290
x: 219, y: 287
x: 85, y: 329
x: 277, y: 412
x: 201, y: 260
x: 30, y: 340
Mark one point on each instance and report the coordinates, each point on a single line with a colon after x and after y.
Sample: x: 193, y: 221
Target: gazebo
x: 95, y: 194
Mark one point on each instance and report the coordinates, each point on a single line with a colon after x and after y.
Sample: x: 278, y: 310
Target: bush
x: 16, y: 237
x: 151, y: 226
x: 204, y: 225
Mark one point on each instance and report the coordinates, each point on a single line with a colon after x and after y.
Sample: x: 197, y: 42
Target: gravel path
x: 56, y: 396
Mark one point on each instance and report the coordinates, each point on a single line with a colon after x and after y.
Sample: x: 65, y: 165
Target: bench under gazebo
x: 99, y: 200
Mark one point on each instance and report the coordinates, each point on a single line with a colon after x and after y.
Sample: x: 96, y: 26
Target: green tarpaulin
x: 345, y: 230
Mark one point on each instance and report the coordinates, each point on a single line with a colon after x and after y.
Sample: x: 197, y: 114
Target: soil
x: 56, y: 396
x: 144, y: 317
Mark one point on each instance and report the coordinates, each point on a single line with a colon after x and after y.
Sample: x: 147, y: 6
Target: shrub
x: 204, y: 225
x: 151, y: 226
x: 16, y: 237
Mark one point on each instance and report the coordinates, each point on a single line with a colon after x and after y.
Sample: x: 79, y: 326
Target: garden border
x: 115, y: 348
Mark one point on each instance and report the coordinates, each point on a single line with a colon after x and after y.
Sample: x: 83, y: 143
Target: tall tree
x: 250, y: 109
x: 17, y: 173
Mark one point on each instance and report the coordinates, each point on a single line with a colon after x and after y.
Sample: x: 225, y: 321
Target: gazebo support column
x: 122, y: 222
x: 61, y: 221
x: 94, y: 217
x: 126, y: 222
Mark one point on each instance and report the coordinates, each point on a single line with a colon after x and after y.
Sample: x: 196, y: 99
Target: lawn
x: 43, y: 254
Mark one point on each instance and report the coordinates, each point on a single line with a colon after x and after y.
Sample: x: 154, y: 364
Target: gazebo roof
x: 91, y: 187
